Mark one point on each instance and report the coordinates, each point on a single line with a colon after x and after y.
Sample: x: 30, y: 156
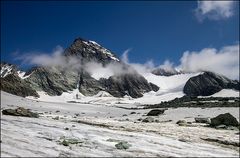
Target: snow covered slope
x: 99, y: 128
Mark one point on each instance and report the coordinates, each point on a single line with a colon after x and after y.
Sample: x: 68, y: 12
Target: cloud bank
x: 214, y: 10
x: 224, y: 61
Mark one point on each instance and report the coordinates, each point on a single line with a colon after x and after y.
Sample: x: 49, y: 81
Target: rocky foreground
x: 72, y: 129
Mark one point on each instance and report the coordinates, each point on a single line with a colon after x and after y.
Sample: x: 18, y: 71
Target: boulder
x: 148, y: 119
x: 123, y: 145
x: 224, y: 119
x: 182, y: 123
x: 20, y: 112
x: 156, y: 112
x: 202, y: 120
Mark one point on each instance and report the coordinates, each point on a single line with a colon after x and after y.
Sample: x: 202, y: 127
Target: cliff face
x: 208, y: 83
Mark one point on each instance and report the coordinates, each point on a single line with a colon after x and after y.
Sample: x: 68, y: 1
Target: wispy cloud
x: 56, y: 58
x: 214, y: 10
x: 124, y: 56
x: 224, y: 61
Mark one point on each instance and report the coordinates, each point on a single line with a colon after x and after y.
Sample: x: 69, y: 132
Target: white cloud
x: 214, y: 10
x: 167, y: 65
x: 124, y: 56
x: 56, y: 58
x: 224, y: 61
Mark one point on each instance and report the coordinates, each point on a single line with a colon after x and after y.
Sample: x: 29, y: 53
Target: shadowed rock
x: 156, y: 112
x: 20, y: 112
x: 224, y: 119
x: 208, y: 83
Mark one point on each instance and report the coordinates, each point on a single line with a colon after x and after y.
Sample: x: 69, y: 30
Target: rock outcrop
x: 20, y: 111
x: 224, y: 119
x: 208, y: 83
x: 165, y: 72
x: 156, y: 112
x: 14, y: 85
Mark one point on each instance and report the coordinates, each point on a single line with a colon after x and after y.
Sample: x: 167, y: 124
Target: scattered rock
x: 127, y: 119
x: 66, y: 128
x: 56, y: 118
x: 203, y: 120
x: 20, y: 111
x: 123, y: 145
x: 157, y: 121
x: 183, y: 140
x: 156, y: 112
x: 133, y: 113
x: 181, y: 122
x: 57, y: 111
x: 77, y: 114
x: 68, y: 141
x: 225, y: 142
x: 148, y: 119
x: 124, y: 115
x: 224, y: 119
x: 113, y: 140
x: 140, y: 119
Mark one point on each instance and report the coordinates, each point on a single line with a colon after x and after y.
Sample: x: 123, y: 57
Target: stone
x: 182, y: 123
x: 20, y: 111
x: 123, y: 145
x: 155, y: 112
x: 224, y: 119
x: 133, y: 112
x: 56, y: 118
x: 148, y: 119
x: 202, y: 120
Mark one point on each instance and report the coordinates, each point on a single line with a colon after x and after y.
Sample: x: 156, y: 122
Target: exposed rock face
x: 126, y: 84
x: 208, y: 83
x: 20, y: 112
x: 224, y: 119
x: 14, y: 85
x: 7, y: 69
x: 58, y: 79
x: 202, y: 120
x: 164, y: 72
x: 89, y: 85
x: 90, y: 51
x: 52, y: 80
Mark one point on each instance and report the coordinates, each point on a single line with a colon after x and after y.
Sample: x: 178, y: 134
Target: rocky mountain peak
x: 89, y: 51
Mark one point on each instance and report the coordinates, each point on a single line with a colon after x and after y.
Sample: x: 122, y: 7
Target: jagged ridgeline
x: 55, y: 80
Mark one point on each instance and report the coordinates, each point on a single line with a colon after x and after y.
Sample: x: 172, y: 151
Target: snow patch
x: 226, y: 93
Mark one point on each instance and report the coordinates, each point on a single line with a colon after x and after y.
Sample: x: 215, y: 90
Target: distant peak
x: 80, y: 39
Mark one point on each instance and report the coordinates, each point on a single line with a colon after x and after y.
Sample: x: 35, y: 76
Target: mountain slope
x: 208, y: 83
x: 55, y: 80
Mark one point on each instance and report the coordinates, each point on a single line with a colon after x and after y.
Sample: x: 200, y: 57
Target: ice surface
x: 39, y: 136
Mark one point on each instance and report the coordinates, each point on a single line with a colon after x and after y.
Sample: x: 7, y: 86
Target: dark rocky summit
x: 208, y: 83
x: 90, y: 51
x: 55, y: 80
x: 164, y: 72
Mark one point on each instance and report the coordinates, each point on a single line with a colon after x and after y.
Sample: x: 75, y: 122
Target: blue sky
x: 153, y: 30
